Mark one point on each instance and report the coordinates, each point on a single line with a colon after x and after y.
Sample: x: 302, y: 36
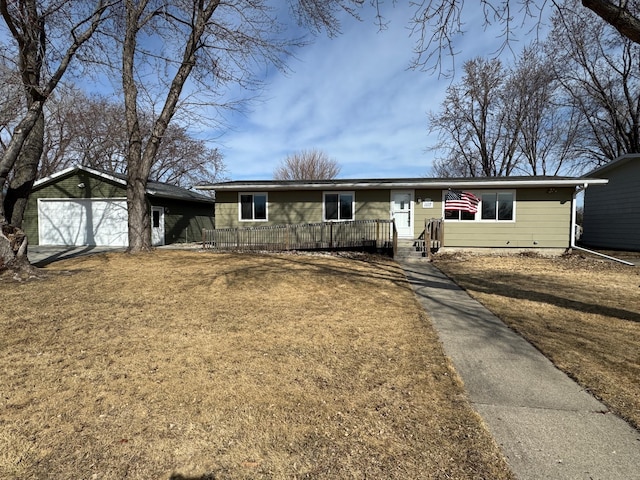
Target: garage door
x: 82, y: 222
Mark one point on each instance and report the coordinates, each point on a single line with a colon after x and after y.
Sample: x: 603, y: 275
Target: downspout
x: 573, y: 229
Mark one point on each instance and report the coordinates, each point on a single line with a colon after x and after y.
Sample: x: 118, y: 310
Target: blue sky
x: 354, y: 98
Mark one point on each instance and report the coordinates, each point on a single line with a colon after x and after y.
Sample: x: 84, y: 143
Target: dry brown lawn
x: 189, y: 365
x: 582, y: 313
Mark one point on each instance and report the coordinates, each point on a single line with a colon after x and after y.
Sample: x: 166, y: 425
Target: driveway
x: 40, y: 255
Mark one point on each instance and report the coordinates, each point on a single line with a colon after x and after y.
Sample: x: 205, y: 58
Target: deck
x: 365, y: 235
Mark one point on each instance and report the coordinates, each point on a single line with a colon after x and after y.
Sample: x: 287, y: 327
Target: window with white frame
x: 338, y: 206
x: 459, y: 215
x: 253, y: 206
x: 497, y: 206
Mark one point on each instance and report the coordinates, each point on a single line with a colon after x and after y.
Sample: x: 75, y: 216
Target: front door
x: 157, y: 226
x: 402, y: 212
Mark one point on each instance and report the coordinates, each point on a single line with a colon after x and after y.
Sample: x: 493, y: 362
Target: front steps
x: 409, y: 250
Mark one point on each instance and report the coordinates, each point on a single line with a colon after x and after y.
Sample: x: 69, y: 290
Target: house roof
x: 629, y: 157
x: 154, y: 189
x: 398, y: 183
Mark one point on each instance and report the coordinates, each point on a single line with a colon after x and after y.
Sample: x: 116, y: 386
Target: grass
x: 582, y: 313
x: 187, y: 365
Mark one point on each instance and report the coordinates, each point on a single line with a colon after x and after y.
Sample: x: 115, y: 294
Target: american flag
x: 457, y: 200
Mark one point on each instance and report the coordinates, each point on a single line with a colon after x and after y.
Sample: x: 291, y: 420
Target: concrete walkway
x: 547, y: 426
x: 41, y: 256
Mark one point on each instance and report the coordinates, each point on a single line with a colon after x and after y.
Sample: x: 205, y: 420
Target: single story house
x: 612, y: 211
x: 86, y: 206
x: 512, y: 212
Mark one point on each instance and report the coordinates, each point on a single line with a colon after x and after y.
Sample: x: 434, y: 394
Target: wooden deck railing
x: 432, y: 237
x: 358, y: 234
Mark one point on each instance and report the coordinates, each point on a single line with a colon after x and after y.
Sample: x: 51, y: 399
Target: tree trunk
x: 13, y: 250
x: 25, y: 172
x: 139, y: 217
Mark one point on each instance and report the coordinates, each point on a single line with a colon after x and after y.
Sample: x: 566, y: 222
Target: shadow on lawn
x: 366, y: 268
x: 509, y: 287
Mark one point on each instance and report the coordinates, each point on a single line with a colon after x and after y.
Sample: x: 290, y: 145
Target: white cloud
x: 353, y: 97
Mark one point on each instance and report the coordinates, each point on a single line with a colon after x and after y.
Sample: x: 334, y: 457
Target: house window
x: 493, y: 206
x: 458, y: 215
x: 460, y: 205
x: 253, y: 206
x: 497, y: 206
x: 338, y: 206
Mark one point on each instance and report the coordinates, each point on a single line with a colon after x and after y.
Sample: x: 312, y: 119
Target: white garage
x: 82, y: 221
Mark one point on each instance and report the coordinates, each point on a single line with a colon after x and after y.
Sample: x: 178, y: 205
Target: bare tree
x: 198, y: 48
x: 548, y: 130
x: 478, y: 126
x: 186, y: 161
x: 571, y: 106
x: 89, y: 130
x: 311, y: 164
x: 437, y: 23
x: 600, y: 73
x: 82, y: 130
x: 31, y: 25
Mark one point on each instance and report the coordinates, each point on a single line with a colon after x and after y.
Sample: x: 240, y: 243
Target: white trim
x: 496, y: 220
x: 253, y: 213
x: 73, y: 199
x: 401, y: 184
x: 412, y: 207
x: 66, y: 171
x: 339, y: 192
x: 160, y: 228
x: 478, y: 215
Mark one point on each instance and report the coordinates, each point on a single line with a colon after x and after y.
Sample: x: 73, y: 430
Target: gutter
x: 504, y: 182
x: 573, y: 230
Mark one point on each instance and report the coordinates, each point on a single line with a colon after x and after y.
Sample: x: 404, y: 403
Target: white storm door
x: 402, y: 212
x: 157, y: 226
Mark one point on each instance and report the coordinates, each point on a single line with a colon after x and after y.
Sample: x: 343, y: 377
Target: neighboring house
x: 85, y: 206
x: 513, y: 212
x: 612, y: 211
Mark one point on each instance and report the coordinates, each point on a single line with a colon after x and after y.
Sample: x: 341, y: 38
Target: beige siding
x: 302, y: 206
x: 612, y: 211
x: 421, y: 213
x: 542, y: 220
x: 294, y: 207
x: 226, y: 209
x: 373, y: 205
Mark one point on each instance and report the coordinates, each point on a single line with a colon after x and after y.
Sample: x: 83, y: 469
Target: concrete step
x: 407, y: 249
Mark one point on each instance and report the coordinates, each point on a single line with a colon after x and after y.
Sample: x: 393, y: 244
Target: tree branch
x: 620, y: 17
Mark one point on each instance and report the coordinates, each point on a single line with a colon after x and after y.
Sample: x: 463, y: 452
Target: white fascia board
x: 66, y: 171
x: 156, y: 194
x: 53, y: 176
x: 400, y: 184
x: 103, y: 175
